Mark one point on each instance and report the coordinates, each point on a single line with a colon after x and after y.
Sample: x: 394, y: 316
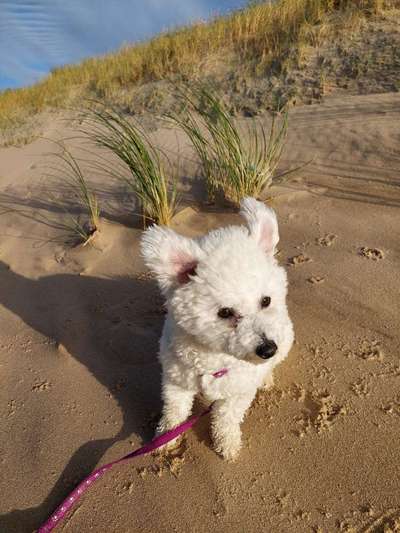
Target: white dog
x: 227, y: 325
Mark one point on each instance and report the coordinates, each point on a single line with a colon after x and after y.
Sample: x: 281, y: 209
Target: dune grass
x: 239, y: 161
x: 69, y: 173
x: 146, y: 175
x: 258, y: 38
x: 196, y: 130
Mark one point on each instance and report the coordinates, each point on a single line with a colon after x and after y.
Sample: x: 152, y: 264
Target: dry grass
x: 258, y: 37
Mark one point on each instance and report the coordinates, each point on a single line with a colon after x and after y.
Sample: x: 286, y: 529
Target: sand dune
x: 80, y: 326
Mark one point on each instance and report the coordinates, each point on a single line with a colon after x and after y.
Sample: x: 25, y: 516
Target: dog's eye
x: 265, y: 302
x: 226, y: 312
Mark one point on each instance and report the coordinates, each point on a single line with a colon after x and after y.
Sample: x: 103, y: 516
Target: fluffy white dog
x: 227, y: 325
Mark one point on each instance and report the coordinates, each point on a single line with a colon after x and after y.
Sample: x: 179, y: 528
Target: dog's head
x: 225, y: 289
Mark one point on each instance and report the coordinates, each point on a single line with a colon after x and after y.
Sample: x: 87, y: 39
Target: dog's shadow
x: 112, y: 327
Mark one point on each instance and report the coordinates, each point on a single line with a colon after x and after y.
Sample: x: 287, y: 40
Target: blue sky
x: 37, y: 35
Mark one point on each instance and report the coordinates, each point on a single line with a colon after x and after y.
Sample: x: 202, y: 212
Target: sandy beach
x: 79, y: 340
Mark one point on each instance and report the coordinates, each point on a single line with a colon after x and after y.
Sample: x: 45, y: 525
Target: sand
x: 80, y: 326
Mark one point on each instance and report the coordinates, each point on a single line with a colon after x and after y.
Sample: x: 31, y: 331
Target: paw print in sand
x: 299, y: 260
x: 328, y: 240
x: 316, y: 280
x: 42, y: 386
x: 371, y: 253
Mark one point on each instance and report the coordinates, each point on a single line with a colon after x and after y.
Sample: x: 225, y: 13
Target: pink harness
x: 157, y: 442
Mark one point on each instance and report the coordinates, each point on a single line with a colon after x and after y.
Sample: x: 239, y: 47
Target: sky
x: 38, y: 35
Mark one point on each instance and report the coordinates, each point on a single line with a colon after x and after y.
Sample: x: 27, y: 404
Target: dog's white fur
x: 232, y: 267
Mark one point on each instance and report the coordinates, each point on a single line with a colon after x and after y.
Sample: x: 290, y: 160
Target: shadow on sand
x: 111, y: 326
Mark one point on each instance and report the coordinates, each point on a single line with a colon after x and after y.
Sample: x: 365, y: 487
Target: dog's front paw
x: 163, y: 427
x: 228, y: 445
x: 168, y: 446
x: 268, y: 382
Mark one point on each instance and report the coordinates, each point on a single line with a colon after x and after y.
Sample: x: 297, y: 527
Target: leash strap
x: 154, y: 444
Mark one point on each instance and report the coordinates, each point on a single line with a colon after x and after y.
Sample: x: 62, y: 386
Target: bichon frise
x: 227, y: 325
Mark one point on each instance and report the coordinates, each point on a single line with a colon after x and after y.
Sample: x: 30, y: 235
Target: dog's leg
x: 226, y: 418
x: 177, y: 408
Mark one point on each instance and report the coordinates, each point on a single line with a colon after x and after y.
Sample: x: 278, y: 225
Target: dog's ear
x: 262, y: 223
x: 172, y: 257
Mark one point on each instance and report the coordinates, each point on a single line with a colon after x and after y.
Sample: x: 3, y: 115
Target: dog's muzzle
x: 266, y: 349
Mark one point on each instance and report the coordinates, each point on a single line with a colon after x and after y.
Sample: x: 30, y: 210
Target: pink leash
x: 157, y: 442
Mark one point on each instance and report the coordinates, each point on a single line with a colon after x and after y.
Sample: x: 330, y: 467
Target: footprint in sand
x: 39, y: 387
x: 316, y: 280
x: 299, y: 260
x: 392, y: 407
x: 371, y: 253
x: 321, y: 413
x: 387, y: 522
x: 327, y: 411
x: 328, y: 240
x: 12, y: 407
x: 360, y: 387
x: 370, y: 351
x: 170, y: 462
x: 297, y: 392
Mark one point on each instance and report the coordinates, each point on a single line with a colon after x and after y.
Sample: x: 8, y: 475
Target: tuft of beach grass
x: 145, y: 175
x: 70, y: 174
x: 238, y: 161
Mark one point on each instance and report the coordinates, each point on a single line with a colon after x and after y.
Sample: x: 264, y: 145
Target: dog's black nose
x: 267, y: 349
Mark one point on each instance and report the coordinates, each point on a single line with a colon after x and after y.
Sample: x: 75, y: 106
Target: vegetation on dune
x: 138, y: 161
x: 69, y: 173
x: 235, y: 161
x: 259, y: 37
